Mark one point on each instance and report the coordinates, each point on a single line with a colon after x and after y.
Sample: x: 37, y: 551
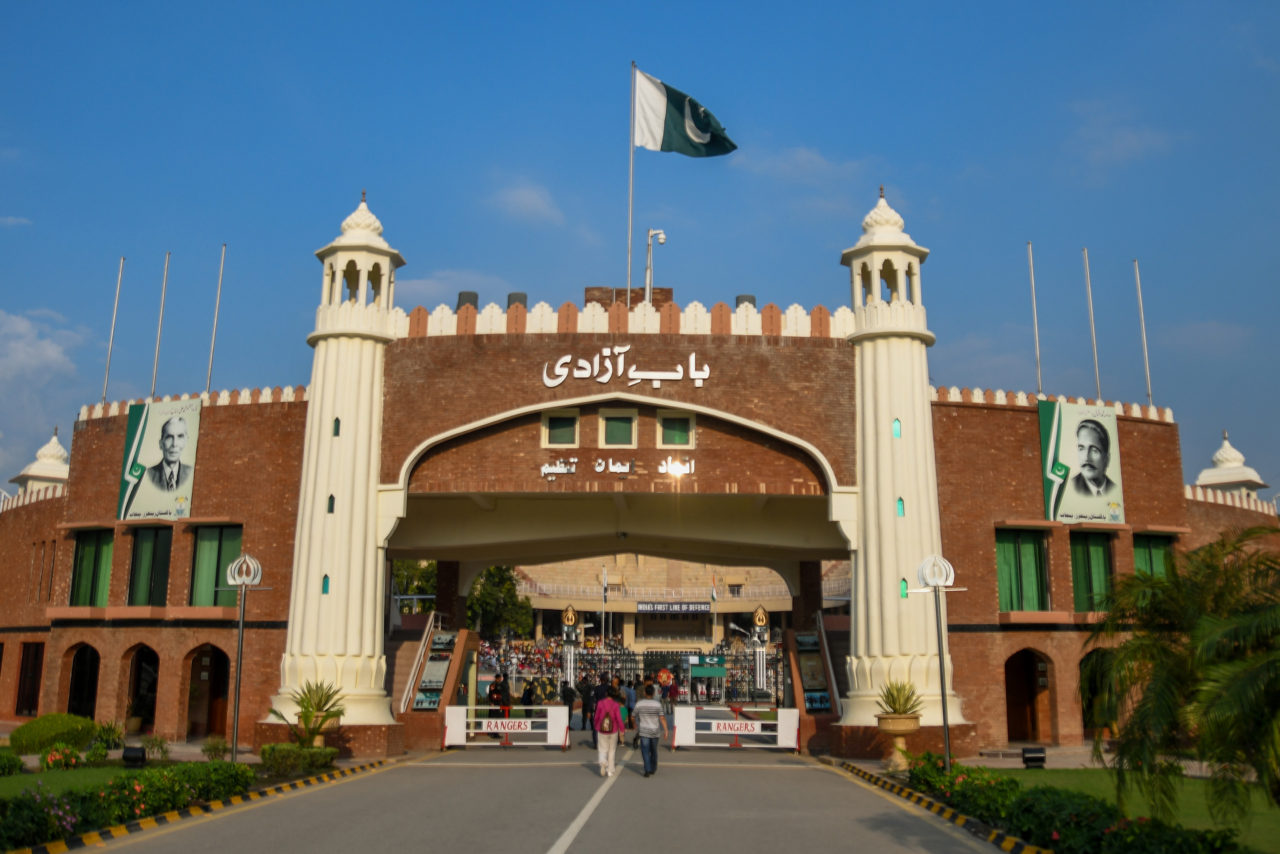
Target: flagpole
x: 217, y: 302
x: 112, y: 337
x: 164, y: 284
x: 631, y: 178
x: 1035, y: 321
x: 1093, y: 335
x: 1142, y: 321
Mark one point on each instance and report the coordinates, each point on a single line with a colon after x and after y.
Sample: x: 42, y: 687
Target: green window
x: 91, y: 573
x: 1151, y: 554
x: 562, y: 430
x: 149, y: 572
x: 619, y: 430
x: 676, y: 431
x: 1020, y: 571
x: 215, y: 548
x: 1090, y: 570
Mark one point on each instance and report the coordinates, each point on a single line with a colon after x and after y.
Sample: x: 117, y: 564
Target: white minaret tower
x: 336, y: 605
x: 892, y: 638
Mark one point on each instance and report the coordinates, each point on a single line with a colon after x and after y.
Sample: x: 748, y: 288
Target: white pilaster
x: 898, y: 524
x: 337, y: 604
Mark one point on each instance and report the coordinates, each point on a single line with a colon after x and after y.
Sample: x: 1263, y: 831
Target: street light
x: 648, y: 263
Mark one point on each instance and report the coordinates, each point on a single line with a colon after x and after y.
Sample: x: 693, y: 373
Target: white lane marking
x: 571, y: 832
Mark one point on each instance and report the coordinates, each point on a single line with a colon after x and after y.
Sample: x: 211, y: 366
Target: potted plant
x: 319, y: 711
x: 132, y: 720
x: 900, y: 716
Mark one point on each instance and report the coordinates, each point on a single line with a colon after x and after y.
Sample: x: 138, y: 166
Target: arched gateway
x: 729, y: 437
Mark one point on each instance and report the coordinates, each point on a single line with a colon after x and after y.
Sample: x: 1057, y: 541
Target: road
x: 534, y: 800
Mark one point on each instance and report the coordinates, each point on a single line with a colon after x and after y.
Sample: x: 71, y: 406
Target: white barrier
x: 711, y: 726
x: 537, y: 726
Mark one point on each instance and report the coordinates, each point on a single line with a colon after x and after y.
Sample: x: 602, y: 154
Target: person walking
x: 598, y: 693
x: 650, y: 724
x: 608, y: 726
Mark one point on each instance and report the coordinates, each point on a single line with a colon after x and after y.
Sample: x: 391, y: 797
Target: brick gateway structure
x: 735, y: 439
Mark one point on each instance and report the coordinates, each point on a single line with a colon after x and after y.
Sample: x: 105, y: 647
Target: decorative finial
x: 362, y: 197
x: 1224, y: 435
x: 882, y: 191
x: 55, y: 431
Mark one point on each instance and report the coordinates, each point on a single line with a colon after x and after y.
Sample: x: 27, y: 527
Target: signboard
x: 1080, y: 463
x: 507, y: 725
x: 612, y: 363
x: 673, y: 607
x: 159, y: 460
x: 737, y: 727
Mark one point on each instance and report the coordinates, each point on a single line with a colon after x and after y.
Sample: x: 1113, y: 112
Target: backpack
x: 606, y: 723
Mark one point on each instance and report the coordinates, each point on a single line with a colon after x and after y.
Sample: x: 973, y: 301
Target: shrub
x: 977, y: 792
x: 60, y: 757
x: 1148, y: 836
x: 96, y: 754
x: 47, y: 730
x: 110, y: 735
x: 33, y: 817
x: 216, y: 780
x: 10, y: 763
x: 1066, y: 821
x: 289, y: 759
x: 156, y: 747
x: 215, y: 748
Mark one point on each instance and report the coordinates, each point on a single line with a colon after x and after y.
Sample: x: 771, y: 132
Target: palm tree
x: 1169, y: 645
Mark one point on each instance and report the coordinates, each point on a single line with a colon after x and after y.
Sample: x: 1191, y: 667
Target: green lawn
x: 58, y: 781
x: 1261, y: 834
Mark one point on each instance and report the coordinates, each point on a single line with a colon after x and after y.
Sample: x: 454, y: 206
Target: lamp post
x: 936, y: 573
x: 648, y: 262
x: 242, y: 573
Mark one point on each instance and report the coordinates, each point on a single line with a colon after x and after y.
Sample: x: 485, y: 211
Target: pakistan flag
x: 667, y: 119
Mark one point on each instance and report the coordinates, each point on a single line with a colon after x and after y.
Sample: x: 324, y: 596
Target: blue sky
x: 492, y: 140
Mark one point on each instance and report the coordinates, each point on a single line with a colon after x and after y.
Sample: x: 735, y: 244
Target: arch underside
x: 526, y: 528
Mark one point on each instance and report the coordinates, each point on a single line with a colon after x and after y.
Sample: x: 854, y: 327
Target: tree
x: 494, y: 606
x: 1188, y: 662
x: 414, y: 578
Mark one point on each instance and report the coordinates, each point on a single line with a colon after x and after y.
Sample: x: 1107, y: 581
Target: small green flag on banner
x: 669, y: 120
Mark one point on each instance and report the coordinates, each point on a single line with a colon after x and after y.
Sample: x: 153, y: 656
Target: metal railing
x: 411, y: 685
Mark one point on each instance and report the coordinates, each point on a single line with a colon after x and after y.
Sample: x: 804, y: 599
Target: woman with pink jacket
x: 608, y: 724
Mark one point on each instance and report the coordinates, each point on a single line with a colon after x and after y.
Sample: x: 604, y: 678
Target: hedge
x: 288, y: 759
x: 37, y: 816
x: 45, y: 731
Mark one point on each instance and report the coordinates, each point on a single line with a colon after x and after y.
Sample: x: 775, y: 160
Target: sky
x: 492, y: 140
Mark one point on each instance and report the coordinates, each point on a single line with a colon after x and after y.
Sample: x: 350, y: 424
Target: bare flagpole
x: 631, y: 178
x: 111, y: 339
x: 217, y: 303
x: 155, y: 365
x: 1093, y: 335
x: 1035, y: 320
x: 1142, y: 321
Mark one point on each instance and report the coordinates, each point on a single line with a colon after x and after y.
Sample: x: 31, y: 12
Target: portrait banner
x: 159, y: 460
x: 1080, y: 462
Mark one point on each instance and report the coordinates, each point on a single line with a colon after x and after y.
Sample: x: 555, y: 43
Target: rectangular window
x: 735, y: 590
x: 91, y: 572
x: 1020, y: 571
x: 1152, y: 554
x: 215, y: 548
x: 675, y: 430
x: 618, y: 428
x: 560, y: 429
x: 149, y: 572
x: 1090, y: 570
x: 29, y: 672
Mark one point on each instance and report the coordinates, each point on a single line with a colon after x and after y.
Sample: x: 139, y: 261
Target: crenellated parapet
x: 241, y: 397
x: 31, y: 496
x: 1231, y: 499
x: 641, y: 319
x: 999, y: 397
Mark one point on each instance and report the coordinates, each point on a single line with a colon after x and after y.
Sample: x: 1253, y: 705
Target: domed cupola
x: 48, y: 469
x: 1229, y: 473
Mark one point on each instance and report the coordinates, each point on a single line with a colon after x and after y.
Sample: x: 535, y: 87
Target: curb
x: 97, y: 837
x: 998, y: 838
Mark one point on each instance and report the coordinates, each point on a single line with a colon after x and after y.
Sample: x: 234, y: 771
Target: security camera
x: 662, y: 237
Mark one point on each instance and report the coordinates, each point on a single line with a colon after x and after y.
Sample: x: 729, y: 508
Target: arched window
x: 324, y: 586
x: 337, y: 426
x: 902, y: 507
x: 897, y: 429
x: 331, y: 502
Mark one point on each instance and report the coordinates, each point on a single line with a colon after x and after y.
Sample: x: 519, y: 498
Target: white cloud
x: 527, y: 201
x: 11, y: 221
x: 1108, y: 134
x: 800, y: 165
x: 442, y: 286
